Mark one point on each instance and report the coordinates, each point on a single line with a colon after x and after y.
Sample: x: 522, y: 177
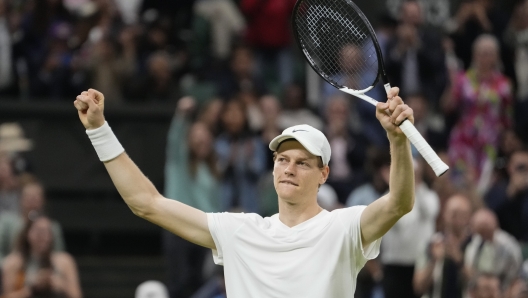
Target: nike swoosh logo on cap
x: 296, y: 130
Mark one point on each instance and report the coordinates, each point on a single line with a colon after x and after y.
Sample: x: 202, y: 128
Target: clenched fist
x: 397, y: 113
x: 90, y: 105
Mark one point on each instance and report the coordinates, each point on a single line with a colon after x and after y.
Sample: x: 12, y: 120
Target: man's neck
x: 294, y: 214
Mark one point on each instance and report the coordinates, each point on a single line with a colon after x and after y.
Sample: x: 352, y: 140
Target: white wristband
x: 105, y: 142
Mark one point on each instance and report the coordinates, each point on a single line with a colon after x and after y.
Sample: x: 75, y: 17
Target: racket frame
x: 439, y: 167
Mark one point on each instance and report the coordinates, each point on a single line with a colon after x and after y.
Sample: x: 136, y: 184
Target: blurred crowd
x: 237, y: 80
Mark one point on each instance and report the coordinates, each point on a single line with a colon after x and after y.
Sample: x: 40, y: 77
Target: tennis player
x: 303, y: 251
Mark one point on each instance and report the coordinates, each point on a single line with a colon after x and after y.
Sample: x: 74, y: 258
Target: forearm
x: 133, y: 186
x: 401, y: 183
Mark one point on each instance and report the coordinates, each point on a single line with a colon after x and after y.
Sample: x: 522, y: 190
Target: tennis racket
x: 340, y: 45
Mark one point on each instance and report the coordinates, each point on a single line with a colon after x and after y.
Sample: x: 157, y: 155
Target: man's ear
x: 324, y: 174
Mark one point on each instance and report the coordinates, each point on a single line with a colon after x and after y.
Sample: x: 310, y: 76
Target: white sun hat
x: 311, y: 138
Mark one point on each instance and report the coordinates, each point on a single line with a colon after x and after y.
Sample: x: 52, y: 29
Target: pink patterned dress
x: 485, y: 109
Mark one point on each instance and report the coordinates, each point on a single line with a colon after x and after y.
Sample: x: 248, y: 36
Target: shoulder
x: 63, y: 261
x: 13, y: 262
x: 9, y: 218
x: 231, y: 220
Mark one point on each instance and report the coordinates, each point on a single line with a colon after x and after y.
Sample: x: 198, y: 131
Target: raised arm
x: 383, y: 213
x: 134, y: 187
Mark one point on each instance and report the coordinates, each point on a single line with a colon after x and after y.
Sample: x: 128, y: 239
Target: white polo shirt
x: 262, y: 257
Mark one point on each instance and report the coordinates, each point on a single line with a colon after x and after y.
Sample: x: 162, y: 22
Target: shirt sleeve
x: 351, y: 219
x: 222, y: 227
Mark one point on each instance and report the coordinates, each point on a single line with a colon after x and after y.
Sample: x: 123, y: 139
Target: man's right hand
x: 90, y: 106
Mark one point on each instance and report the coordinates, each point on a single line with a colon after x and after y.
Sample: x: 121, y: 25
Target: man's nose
x: 290, y: 169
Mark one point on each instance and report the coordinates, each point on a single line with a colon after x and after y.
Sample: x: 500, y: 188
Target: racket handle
x: 439, y: 167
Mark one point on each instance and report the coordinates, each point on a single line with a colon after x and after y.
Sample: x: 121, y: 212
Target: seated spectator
x: 33, y: 269
x: 378, y: 168
x: 402, y: 243
x: 485, y: 285
x: 241, y: 160
x: 191, y: 177
x: 509, y: 198
x: 439, y: 267
x: 349, y: 148
x: 482, y: 99
x: 491, y: 250
x: 9, y: 186
x: 159, y: 84
x: 32, y: 204
x: 152, y: 289
x: 240, y: 75
x: 295, y: 109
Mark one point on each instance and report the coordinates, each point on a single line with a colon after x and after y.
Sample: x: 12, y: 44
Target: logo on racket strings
x: 318, y: 13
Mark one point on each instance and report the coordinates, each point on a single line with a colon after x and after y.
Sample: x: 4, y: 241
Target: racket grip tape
x: 439, y: 167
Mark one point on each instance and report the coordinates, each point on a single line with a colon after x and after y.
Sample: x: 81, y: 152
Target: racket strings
x: 337, y: 41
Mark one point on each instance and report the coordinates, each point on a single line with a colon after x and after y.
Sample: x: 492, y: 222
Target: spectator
x: 13, y: 144
x: 415, y: 59
x: 349, y: 148
x: 191, y: 177
x: 253, y: 112
x: 108, y: 68
x: 492, y: 250
x: 9, y: 186
x: 35, y: 270
x: 474, y: 18
x: 159, y: 85
x: 7, y: 75
x: 439, y: 267
x: 226, y: 22
x: 241, y: 74
x: 430, y: 125
x: 516, y: 37
x: 241, y: 160
x: 401, y: 245
x: 485, y: 285
x: 378, y: 168
x: 483, y: 100
x: 210, y: 115
x: 509, y: 198
x: 269, y: 33
x: 295, y: 109
x: 46, y: 29
x: 32, y: 203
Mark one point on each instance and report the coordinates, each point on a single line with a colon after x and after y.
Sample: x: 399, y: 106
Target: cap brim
x: 274, y: 144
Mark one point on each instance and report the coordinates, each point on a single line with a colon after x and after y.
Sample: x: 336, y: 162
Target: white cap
x: 152, y: 289
x: 311, y: 138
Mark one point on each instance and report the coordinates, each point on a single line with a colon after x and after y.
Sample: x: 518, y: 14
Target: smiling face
x: 297, y: 173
